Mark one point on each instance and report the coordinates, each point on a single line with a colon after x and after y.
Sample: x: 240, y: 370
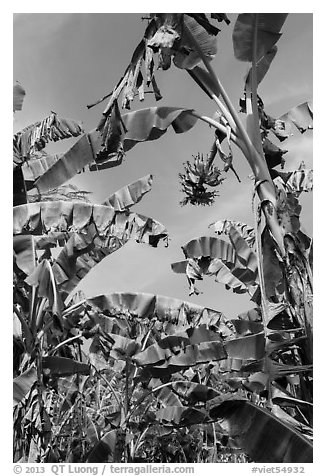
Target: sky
x: 66, y: 61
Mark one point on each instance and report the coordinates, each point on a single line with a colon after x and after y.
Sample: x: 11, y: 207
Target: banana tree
x: 58, y: 238
x: 268, y: 353
x: 278, y: 273
x: 154, y: 345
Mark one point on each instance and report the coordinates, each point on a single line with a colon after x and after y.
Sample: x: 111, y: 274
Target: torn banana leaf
x: 224, y: 226
x: 166, y: 310
x: 142, y: 125
x: 129, y: 195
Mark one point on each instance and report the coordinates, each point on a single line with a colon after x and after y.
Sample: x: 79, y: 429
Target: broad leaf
x: 187, y: 56
x: 104, y: 450
x: 24, y: 252
x: 67, y: 166
x: 180, y: 416
x: 209, y: 246
x: 300, y: 181
x: 212, y: 256
x: 37, y: 166
x: 267, y: 30
x: 129, y: 195
x: 245, y: 254
x: 300, y: 116
x: 36, y: 136
x: 224, y: 226
x: 263, y: 436
x: 84, y: 250
x: 43, y: 278
x: 166, y: 310
x: 194, y: 392
x: 174, y: 354
x: 23, y: 384
x: 62, y: 366
x: 142, y: 125
x: 283, y: 398
x: 263, y: 66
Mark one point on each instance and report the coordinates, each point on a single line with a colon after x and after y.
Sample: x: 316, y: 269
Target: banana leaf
x: 224, y: 226
x: 24, y: 253
x: 23, y: 384
x: 36, y: 136
x: 84, y: 250
x: 142, y: 125
x: 263, y: 66
x: 180, y: 416
x: 104, y: 450
x: 176, y: 354
x: 267, y: 30
x: 263, y: 436
x: 129, y: 195
x: 166, y: 310
x: 300, y: 116
x: 62, y: 366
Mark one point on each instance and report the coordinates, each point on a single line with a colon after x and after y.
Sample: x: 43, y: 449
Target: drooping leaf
x: 91, y: 431
x: 43, y: 277
x: 273, y: 154
x: 150, y: 124
x: 67, y: 166
x: 37, y: 166
x: 67, y: 193
x: 187, y: 56
x: 40, y: 218
x: 300, y: 181
x: 111, y: 133
x: 221, y: 17
x: 24, y: 252
x: 36, y: 136
x: 283, y: 398
x: 209, y: 246
x: 214, y: 257
x: 129, y: 195
x: 245, y: 254
x: 18, y: 97
x: 194, y: 392
x: 180, y: 416
x: 268, y: 33
x: 194, y: 269
x: 167, y: 310
x: 263, y: 436
x: 300, y: 116
x: 62, y: 366
x: 169, y: 28
x: 142, y: 125
x: 224, y: 226
x: 202, y: 19
x: 175, y: 354
x: 104, y: 450
x: 23, y: 384
x: 84, y: 250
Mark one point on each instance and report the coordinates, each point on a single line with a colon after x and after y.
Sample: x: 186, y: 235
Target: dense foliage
x: 130, y: 377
